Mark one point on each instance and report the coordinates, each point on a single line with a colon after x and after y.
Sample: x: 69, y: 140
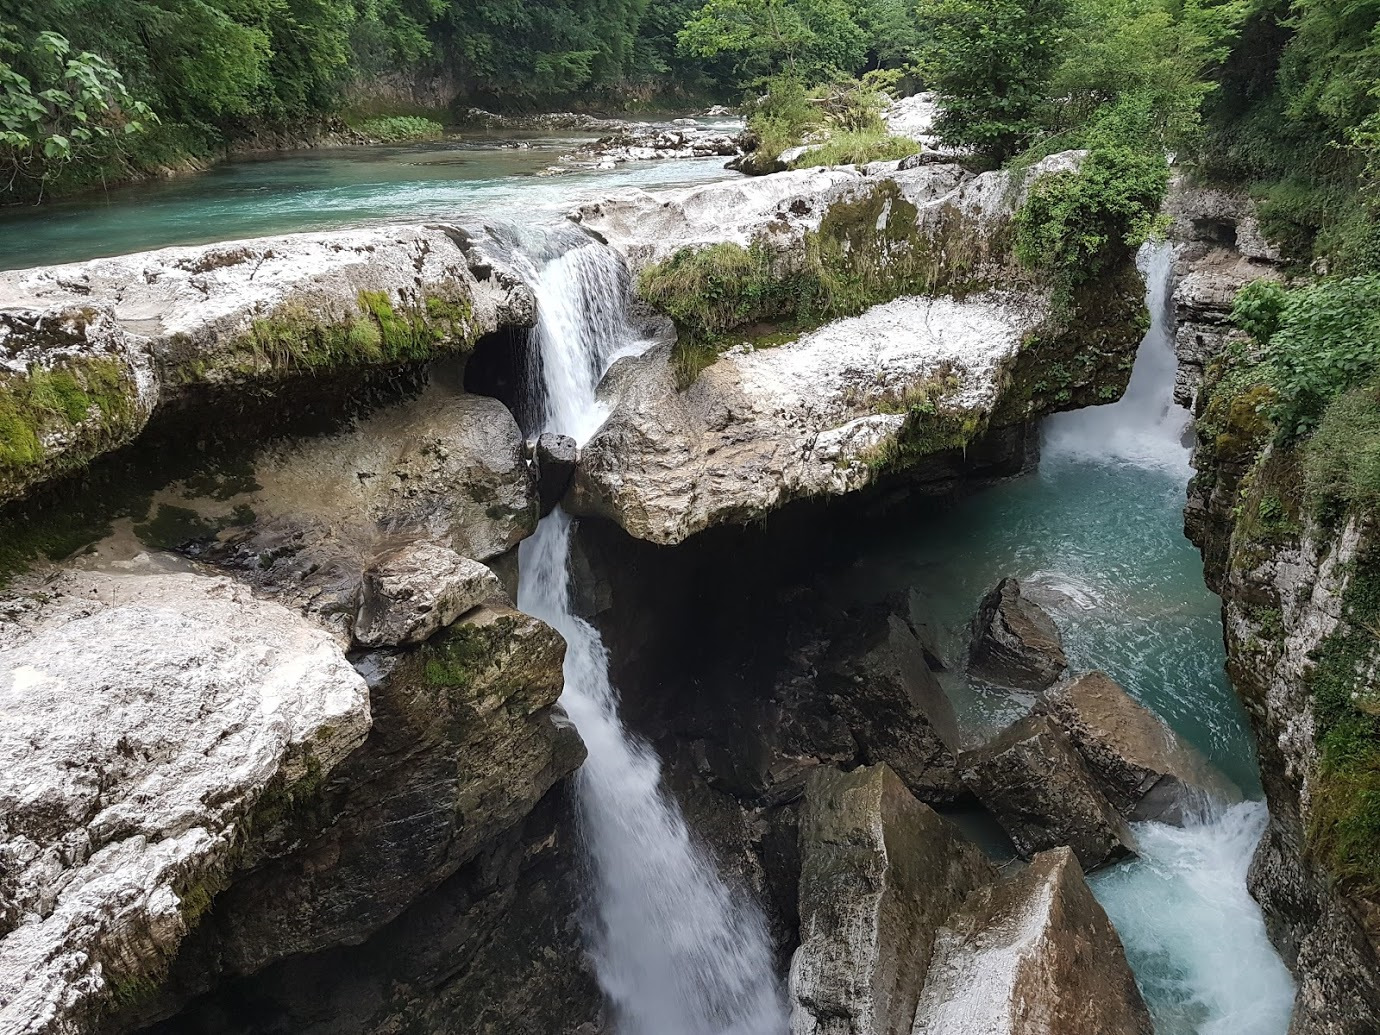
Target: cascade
x: 676, y: 951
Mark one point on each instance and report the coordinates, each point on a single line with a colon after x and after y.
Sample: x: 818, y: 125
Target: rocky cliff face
x: 1297, y: 593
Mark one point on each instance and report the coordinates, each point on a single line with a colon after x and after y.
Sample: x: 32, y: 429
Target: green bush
x: 397, y: 129
x: 1320, y: 340
x: 1341, y: 461
x: 857, y: 148
x: 1077, y: 225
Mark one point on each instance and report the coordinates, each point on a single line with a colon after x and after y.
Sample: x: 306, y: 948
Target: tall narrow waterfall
x: 676, y: 951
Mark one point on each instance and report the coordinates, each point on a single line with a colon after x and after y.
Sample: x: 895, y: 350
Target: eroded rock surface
x: 415, y: 590
x: 879, y: 874
x: 1037, y: 785
x: 1146, y: 769
x: 153, y: 719
x: 125, y: 336
x: 1015, y: 642
x: 811, y: 417
x: 1033, y: 955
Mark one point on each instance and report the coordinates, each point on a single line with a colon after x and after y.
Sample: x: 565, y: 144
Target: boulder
x: 155, y: 724
x: 411, y: 592
x: 465, y: 743
x: 555, y: 458
x: 117, y: 339
x: 877, y: 679
x: 1147, y: 771
x: 813, y: 417
x: 1033, y: 955
x: 879, y: 873
x: 1037, y: 785
x: 414, y: 484
x: 1015, y: 643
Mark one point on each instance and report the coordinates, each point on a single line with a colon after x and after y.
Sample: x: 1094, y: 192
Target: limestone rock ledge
x: 818, y: 416
x: 153, y: 720
x: 89, y: 351
x: 1287, y: 584
x: 958, y: 341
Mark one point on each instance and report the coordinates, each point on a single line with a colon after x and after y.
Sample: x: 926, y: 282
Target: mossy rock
x: 60, y: 414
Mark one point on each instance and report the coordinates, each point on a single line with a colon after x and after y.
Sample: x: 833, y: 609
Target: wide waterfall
x: 677, y: 952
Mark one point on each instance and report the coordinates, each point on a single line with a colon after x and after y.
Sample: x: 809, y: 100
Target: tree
x: 74, y: 106
x: 808, y: 40
x: 991, y: 62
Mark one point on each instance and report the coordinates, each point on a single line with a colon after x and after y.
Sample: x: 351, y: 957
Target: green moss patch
x: 867, y: 250
x: 1344, y: 829
x: 89, y: 404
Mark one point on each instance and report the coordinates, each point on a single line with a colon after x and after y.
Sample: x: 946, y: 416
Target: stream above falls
x: 479, y: 176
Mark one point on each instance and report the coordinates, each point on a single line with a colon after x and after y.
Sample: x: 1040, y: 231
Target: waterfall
x: 1144, y: 427
x: 676, y: 951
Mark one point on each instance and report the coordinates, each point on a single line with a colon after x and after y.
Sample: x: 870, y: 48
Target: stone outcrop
x: 813, y: 417
x: 1015, y: 643
x: 1147, y: 771
x: 1033, y: 955
x: 1221, y: 249
x: 831, y: 410
x: 156, y: 725
x: 329, y: 524
x: 90, y: 351
x: 652, y: 143
x: 1036, y: 784
x: 879, y: 873
x: 416, y: 590
x: 555, y: 458
x: 1290, y: 592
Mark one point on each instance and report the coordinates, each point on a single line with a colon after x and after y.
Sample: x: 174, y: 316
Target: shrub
x: 1320, y: 340
x: 1341, y: 462
x: 857, y: 148
x: 397, y: 129
x: 1079, y: 224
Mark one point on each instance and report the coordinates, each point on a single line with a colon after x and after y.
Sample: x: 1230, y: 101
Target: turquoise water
x: 1096, y: 536
x: 467, y: 180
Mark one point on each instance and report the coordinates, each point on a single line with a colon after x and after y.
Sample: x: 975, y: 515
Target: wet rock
x: 879, y: 874
x: 1037, y: 785
x: 154, y: 721
x: 1015, y: 643
x: 415, y: 590
x: 1147, y: 771
x: 1033, y: 955
x: 555, y: 456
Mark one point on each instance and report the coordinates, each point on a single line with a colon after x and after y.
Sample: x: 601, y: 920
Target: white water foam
x: 1192, y: 931
x: 676, y: 951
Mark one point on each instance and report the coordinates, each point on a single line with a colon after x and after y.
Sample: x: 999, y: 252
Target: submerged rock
x: 415, y: 590
x: 1033, y: 955
x: 1037, y: 785
x: 879, y: 873
x: 1015, y: 642
x: 1146, y: 769
x: 155, y: 722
